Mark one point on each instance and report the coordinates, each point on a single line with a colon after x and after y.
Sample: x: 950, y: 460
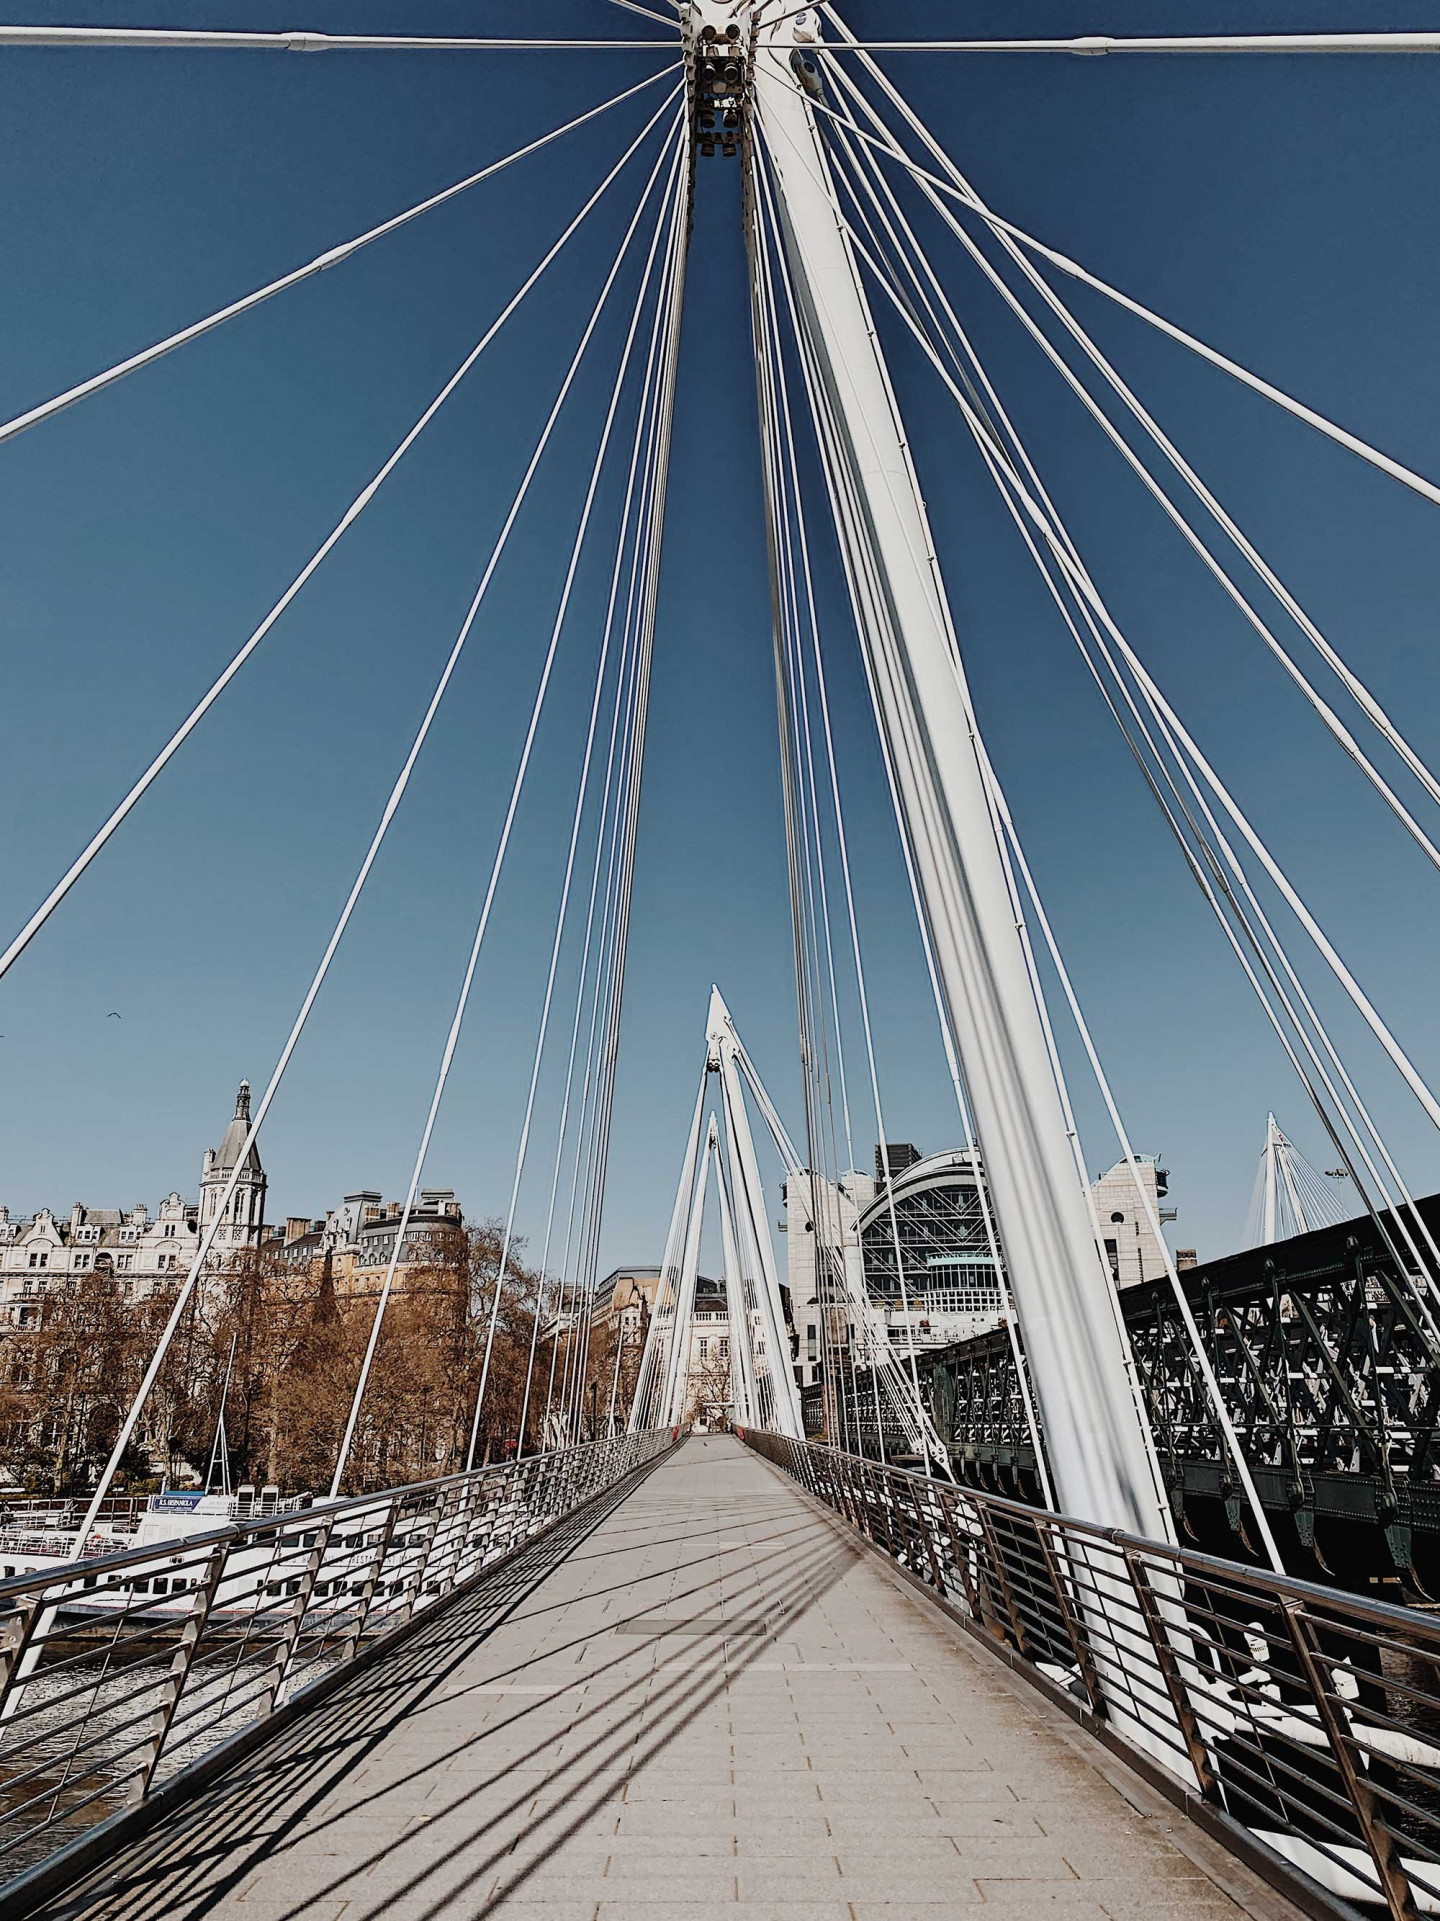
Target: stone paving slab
x: 717, y: 1703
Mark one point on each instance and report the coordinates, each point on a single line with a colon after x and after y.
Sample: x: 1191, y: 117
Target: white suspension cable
x: 665, y: 1299
x: 1092, y: 44
x: 810, y: 1006
x: 352, y: 513
x: 601, y: 1052
x: 207, y: 1240
x: 1422, y: 1266
x: 675, y: 202
x: 1407, y: 477
x: 1152, y: 1219
x: 1359, y: 692
x: 765, y: 199
x: 624, y: 703
x: 1087, y: 589
x: 609, y: 1055
x: 618, y: 737
x: 497, y: 865
x: 645, y: 13
x: 1021, y: 455
x: 332, y: 258
x: 648, y: 397
x: 163, y: 39
x: 1006, y: 827
x: 1018, y: 448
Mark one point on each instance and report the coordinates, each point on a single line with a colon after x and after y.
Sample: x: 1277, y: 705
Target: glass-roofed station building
x: 944, y: 1285
x: 930, y: 1205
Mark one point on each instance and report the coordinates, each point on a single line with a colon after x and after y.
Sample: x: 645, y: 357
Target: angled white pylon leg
x: 896, y: 1386
x: 752, y: 1221
x: 678, y: 1369
x: 1099, y: 1447
x: 653, y: 1360
x: 742, y: 1359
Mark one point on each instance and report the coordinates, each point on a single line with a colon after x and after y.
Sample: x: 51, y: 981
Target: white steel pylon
x: 763, y: 1380
x: 1288, y: 1197
x: 743, y: 1387
x: 1099, y: 1442
x: 677, y: 1361
x: 842, y: 1266
x: 758, y: 1271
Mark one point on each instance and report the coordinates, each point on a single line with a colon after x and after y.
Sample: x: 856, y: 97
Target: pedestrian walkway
x: 717, y: 1703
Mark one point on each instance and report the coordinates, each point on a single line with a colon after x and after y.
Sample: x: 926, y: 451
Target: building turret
x: 244, y: 1217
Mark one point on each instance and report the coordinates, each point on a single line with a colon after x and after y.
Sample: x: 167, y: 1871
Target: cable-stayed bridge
x: 638, y: 1671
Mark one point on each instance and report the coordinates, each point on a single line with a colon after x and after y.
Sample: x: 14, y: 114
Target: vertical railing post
x: 415, y: 1583
x: 294, y: 1618
x: 844, y: 1494
x: 924, y: 1501
x: 874, y: 1508
x: 1169, y: 1667
x: 448, y: 1538
x: 468, y: 1559
x: 197, y: 1615
x: 1002, y: 1576
x: 1071, y: 1621
x: 350, y: 1639
x: 960, y: 1547
x: 1379, y: 1839
x: 15, y: 1642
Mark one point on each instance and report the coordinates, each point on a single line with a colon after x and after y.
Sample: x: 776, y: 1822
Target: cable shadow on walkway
x: 366, y: 1708
x: 213, y: 1846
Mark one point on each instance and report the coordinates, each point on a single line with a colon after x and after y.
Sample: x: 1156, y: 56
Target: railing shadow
x: 267, y: 1809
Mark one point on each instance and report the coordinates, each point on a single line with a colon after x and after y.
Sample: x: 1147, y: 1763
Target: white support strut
x: 1098, y: 1443
x: 757, y: 1251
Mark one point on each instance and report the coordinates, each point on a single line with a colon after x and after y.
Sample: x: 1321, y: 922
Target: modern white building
x: 140, y: 1251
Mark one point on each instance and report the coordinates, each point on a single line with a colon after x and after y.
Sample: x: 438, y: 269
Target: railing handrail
x: 1378, y: 1613
x: 237, y: 1530
x: 1300, y: 1723
x: 209, y: 1641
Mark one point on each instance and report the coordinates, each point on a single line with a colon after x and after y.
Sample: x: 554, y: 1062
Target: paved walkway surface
x: 716, y: 1703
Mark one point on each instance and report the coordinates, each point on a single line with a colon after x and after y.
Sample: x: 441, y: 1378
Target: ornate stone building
x: 141, y: 1252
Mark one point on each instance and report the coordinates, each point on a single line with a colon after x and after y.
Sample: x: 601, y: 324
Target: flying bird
x: 112, y: 1015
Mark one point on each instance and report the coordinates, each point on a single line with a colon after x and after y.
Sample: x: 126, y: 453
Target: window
x: 82, y: 1260
x: 704, y: 1348
x: 1116, y: 1217
x: 127, y: 1261
x: 170, y: 1230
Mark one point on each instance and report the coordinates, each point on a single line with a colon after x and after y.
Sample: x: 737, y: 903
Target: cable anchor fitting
x: 719, y: 41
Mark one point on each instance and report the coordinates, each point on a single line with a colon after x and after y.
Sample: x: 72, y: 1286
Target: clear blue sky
x: 1283, y: 209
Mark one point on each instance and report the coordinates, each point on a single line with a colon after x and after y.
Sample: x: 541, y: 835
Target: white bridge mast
x: 1098, y: 1442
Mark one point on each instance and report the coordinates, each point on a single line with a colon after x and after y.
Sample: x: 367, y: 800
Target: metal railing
x: 1297, y: 1717
x: 119, y: 1672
